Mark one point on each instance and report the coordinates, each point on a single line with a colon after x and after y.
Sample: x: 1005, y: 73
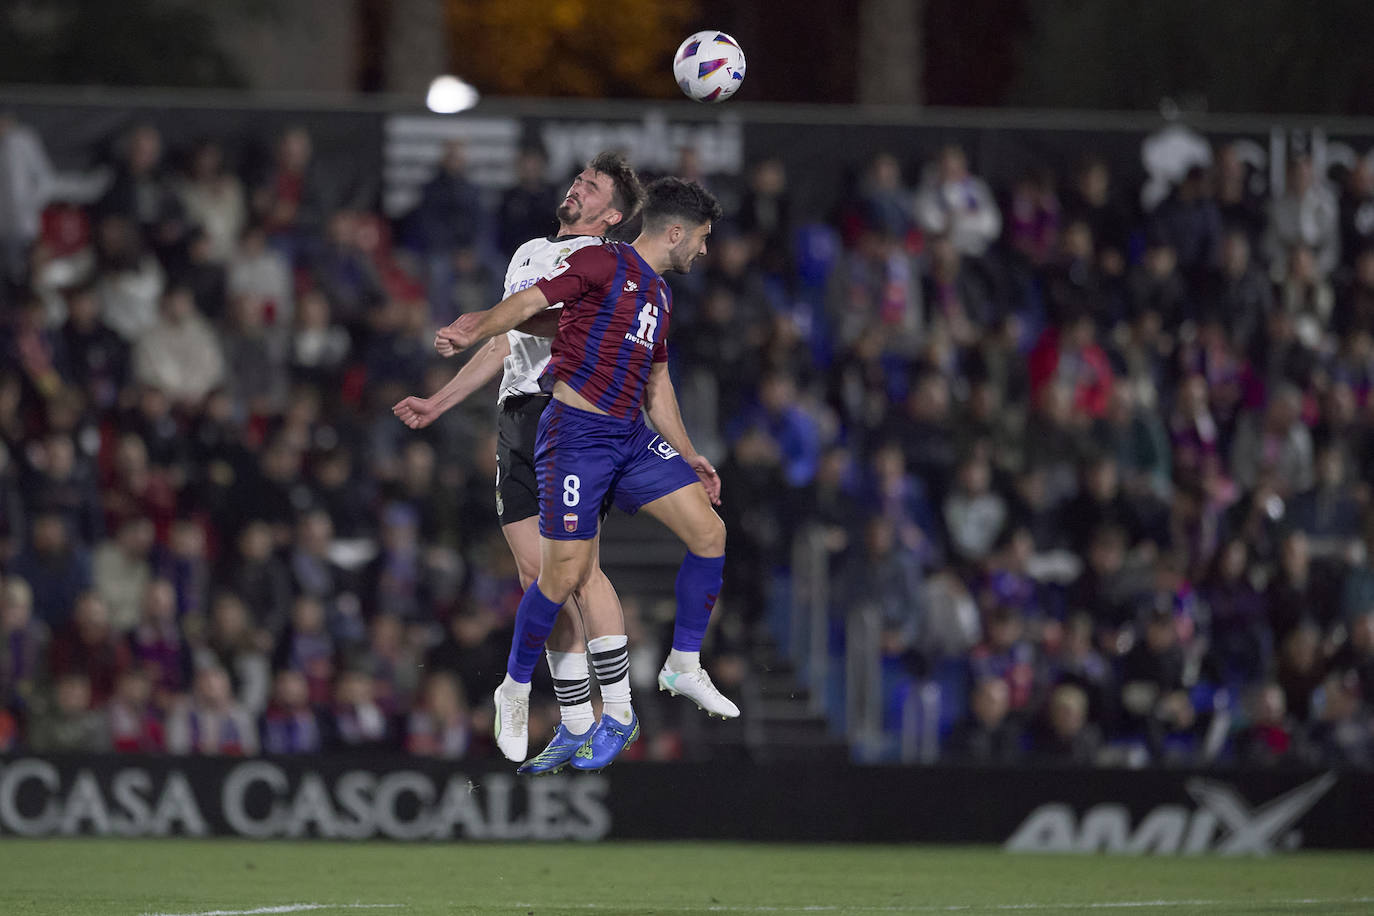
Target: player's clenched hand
x: 417, y: 413
x: 461, y: 334
x: 709, y: 478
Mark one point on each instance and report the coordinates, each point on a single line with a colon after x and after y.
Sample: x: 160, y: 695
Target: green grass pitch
x: 108, y: 877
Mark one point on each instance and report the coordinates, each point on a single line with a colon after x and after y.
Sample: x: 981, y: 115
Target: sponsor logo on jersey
x: 570, y: 522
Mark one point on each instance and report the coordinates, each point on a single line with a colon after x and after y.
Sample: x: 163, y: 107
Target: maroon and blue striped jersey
x: 614, y: 325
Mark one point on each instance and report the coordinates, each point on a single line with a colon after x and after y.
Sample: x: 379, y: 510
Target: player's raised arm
x: 485, y: 365
x: 475, y: 327
x: 660, y: 402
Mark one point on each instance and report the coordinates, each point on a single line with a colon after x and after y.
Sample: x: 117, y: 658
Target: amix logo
x: 1222, y: 822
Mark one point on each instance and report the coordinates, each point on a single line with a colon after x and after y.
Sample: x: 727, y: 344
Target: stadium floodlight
x: 449, y: 95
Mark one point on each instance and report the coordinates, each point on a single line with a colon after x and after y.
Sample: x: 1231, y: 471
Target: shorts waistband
x: 519, y: 402
x: 592, y: 415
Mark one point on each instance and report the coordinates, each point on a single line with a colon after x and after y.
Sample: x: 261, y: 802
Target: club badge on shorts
x: 570, y: 522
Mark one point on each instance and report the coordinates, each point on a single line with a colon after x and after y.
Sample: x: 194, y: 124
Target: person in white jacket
x: 954, y: 203
x: 26, y: 183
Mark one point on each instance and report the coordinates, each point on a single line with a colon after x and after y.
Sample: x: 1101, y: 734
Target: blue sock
x: 698, y: 584
x: 533, y: 622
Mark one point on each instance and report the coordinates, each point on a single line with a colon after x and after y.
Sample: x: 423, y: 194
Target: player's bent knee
x: 710, y: 541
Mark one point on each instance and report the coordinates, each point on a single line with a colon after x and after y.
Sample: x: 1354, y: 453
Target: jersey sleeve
x: 584, y: 270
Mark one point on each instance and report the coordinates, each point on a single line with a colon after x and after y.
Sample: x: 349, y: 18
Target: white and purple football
x: 709, y: 66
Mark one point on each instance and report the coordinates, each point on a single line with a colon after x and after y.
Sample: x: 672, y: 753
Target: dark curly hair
x: 671, y: 199
x: 627, y: 194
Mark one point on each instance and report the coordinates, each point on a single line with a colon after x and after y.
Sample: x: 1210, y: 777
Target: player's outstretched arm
x: 660, y: 401
x: 417, y: 413
x: 475, y: 327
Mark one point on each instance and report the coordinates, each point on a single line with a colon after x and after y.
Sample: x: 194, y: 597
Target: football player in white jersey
x: 604, y: 195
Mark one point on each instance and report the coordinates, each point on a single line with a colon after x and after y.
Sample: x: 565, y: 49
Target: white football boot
x: 696, y: 686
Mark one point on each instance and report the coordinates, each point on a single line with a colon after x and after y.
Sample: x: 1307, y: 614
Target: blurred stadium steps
x: 642, y: 557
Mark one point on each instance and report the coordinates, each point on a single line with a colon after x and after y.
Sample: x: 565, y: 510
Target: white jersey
x: 529, y: 355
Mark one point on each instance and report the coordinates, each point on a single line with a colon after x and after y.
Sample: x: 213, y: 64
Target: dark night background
x: 1267, y: 56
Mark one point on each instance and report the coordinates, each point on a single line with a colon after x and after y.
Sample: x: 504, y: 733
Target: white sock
x: 511, y: 687
x: 680, y: 662
x: 611, y: 661
x: 573, y: 688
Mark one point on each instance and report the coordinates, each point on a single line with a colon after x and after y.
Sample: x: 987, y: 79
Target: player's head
x: 681, y: 213
x: 604, y: 194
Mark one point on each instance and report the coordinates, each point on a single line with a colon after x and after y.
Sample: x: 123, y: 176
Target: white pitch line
x: 965, y: 908
x: 289, y: 908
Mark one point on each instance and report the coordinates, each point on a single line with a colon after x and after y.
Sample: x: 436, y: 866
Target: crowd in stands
x: 1102, y: 472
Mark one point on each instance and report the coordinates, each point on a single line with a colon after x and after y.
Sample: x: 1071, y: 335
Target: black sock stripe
x: 559, y: 684
x: 611, y: 674
x: 609, y: 654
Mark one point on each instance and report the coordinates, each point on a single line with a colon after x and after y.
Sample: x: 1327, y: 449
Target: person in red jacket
x: 1069, y: 354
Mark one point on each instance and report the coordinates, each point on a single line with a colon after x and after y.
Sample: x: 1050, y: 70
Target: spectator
x: 1356, y: 656
x: 987, y: 735
x: 467, y: 651
x: 956, y: 296
x: 1306, y: 297
x: 1093, y: 200
x: 796, y: 432
x: 1068, y: 355
x: 1305, y: 214
x: 307, y: 647
x: 97, y: 357
x: 1152, y: 670
x: 886, y: 578
x: 319, y: 347
x: 69, y: 724
x: 26, y: 185
x: 1099, y: 503
x: 1136, y: 440
x: 23, y: 645
x: 261, y: 273
x: 1299, y: 594
x: 527, y: 207
x: 1274, y: 441
x: 1272, y: 738
x: 1004, y: 653
x: 141, y: 193
x: 1241, y: 194
x: 1301, y: 669
x: 235, y: 646
x: 88, y: 646
x: 260, y: 579
x: 392, y: 658
x: 157, y: 643
x: 290, y: 197
x: 1065, y: 736
x: 135, y: 723
x: 1357, y: 211
x: 290, y: 724
x: 207, y: 279
x: 1157, y: 286
x: 1241, y: 641
x: 345, y: 272
x: 356, y: 720
x: 255, y: 359
x: 210, y: 721
x: 886, y: 203
x: 212, y: 198
x: 121, y: 570
x: 1343, y: 735
x: 974, y: 512
x: 439, y: 726
x: 1191, y: 223
x: 56, y: 568
x: 180, y: 354
x: 1329, y: 513
x: 925, y: 431
x: 62, y: 484
x: 1076, y: 661
x: 1034, y: 217
x: 952, y: 201
x: 1103, y: 590
x: 1237, y: 293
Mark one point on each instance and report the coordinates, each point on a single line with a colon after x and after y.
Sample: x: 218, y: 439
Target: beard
x: 568, y: 213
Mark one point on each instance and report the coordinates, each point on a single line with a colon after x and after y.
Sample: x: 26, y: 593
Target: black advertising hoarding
x: 400, y: 798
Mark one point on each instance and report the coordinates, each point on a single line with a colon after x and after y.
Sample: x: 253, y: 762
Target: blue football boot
x: 607, y: 740
x: 556, y: 756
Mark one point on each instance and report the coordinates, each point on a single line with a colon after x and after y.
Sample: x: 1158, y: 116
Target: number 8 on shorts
x: 572, y: 490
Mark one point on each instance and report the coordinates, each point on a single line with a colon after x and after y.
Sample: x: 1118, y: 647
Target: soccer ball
x: 709, y: 66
